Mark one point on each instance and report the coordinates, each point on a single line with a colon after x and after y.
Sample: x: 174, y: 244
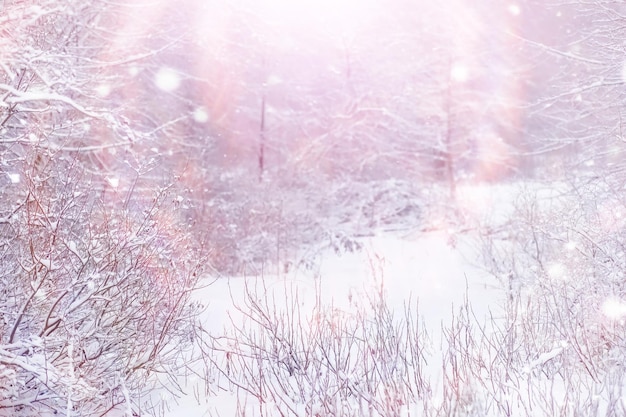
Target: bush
x: 95, y: 298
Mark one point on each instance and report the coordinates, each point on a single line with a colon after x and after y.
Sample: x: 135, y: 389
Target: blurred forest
x: 246, y: 114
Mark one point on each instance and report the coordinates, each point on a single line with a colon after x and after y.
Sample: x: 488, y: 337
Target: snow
x: 420, y: 268
x: 200, y: 115
x: 557, y: 270
x: 14, y: 178
x: 15, y: 96
x: 437, y: 277
x: 545, y: 357
x: 517, y: 300
x: 113, y: 182
x: 46, y: 263
x: 167, y: 79
x: 614, y: 308
x: 432, y: 270
x: 459, y: 73
x: 514, y: 9
x: 103, y: 90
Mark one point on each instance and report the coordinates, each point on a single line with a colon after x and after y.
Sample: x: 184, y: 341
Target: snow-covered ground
x: 485, y: 348
x: 422, y: 267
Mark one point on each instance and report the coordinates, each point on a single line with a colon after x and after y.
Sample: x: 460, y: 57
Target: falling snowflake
x: 200, y: 115
x: 114, y: 182
x: 614, y: 308
x: 103, y: 90
x: 557, y: 271
x: 167, y: 80
x: 514, y: 9
x: 459, y: 73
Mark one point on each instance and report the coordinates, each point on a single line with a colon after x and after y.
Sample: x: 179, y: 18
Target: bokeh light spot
x: 459, y: 73
x: 167, y: 80
x: 614, y: 308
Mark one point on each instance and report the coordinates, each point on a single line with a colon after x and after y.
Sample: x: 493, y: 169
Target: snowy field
x: 412, y: 324
x: 510, y: 305
x: 428, y: 289
x: 423, y: 271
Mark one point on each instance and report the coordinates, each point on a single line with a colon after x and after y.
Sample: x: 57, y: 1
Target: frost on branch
x: 95, y: 267
x: 93, y: 299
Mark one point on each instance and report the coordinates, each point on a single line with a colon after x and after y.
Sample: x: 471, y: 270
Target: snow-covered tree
x: 96, y: 259
x: 575, y: 117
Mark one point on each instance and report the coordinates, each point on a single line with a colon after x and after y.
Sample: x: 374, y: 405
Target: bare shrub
x: 559, y: 259
x: 301, y: 357
x: 95, y: 299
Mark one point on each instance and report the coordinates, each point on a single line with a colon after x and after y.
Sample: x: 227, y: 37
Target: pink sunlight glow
x: 331, y: 70
x: 335, y: 15
x: 341, y: 78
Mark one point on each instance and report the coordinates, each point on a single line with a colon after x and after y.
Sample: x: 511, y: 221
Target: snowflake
x: 14, y: 178
x: 167, y: 80
x: 200, y: 115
